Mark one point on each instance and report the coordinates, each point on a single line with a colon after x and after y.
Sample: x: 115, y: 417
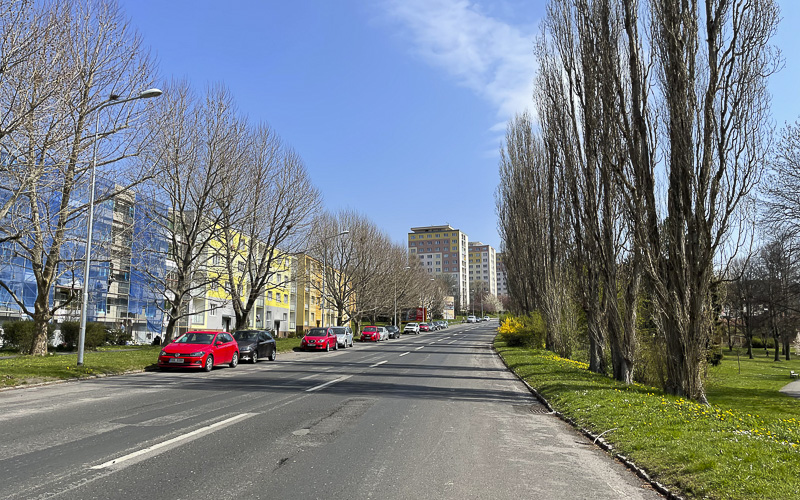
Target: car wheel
x: 274, y: 354
x: 351, y: 343
x: 254, y: 357
x: 234, y: 360
x: 209, y: 363
x: 328, y: 347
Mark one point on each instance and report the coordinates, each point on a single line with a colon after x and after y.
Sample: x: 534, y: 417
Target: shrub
x: 526, y: 331
x: 21, y: 334
x: 95, y: 334
x: 117, y: 336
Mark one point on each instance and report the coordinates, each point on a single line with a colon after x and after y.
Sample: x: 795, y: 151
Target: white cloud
x: 492, y: 58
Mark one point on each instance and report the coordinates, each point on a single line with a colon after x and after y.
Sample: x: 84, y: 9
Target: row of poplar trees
x: 632, y: 177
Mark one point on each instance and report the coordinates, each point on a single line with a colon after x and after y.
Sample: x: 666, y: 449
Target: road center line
x: 379, y: 363
x: 418, y: 348
x: 407, y: 352
x: 174, y: 440
x: 326, y: 384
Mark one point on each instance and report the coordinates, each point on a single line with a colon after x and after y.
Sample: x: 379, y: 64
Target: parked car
x: 472, y: 319
x: 486, y: 318
x: 411, y: 328
x: 344, y: 335
x: 425, y: 327
x: 383, y: 332
x: 394, y: 332
x: 370, y: 334
x: 200, y: 349
x: 319, y: 338
x: 255, y: 344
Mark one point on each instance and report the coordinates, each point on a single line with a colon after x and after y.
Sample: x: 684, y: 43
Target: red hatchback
x: 370, y: 333
x: 320, y: 338
x: 201, y: 349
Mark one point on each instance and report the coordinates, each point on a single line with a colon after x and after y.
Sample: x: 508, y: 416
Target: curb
x: 597, y: 439
x: 66, y: 381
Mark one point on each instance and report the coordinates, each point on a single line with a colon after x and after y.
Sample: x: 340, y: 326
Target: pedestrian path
x: 792, y: 389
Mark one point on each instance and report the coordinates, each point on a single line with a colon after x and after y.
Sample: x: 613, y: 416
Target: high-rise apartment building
x: 483, y: 266
x: 442, y: 250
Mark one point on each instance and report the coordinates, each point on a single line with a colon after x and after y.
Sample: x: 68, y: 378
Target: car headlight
x: 163, y: 353
x: 196, y: 354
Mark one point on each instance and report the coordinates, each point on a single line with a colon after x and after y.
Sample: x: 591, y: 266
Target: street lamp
x: 394, y: 319
x: 114, y: 99
x: 324, y: 255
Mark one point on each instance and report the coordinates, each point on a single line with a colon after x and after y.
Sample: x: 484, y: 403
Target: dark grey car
x: 256, y: 344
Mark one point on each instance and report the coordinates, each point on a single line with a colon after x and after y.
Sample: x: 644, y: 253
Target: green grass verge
x: 745, y: 445
x: 32, y: 369
x: 25, y: 370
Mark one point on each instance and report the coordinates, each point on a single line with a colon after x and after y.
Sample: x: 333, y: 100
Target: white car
x: 383, y: 332
x: 411, y: 328
x: 472, y: 319
x: 344, y: 336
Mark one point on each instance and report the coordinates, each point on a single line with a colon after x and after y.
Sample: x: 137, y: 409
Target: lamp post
x: 85, y: 304
x: 324, y: 255
x: 394, y: 319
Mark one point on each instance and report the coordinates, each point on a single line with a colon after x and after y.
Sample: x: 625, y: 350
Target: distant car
x: 370, y: 334
x: 486, y: 318
x: 319, y: 338
x: 200, y: 349
x: 394, y: 332
x: 344, y: 335
x: 425, y: 327
x: 411, y: 328
x: 472, y: 319
x: 255, y: 344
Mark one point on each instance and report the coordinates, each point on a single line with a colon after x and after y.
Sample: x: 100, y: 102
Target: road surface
x: 429, y: 416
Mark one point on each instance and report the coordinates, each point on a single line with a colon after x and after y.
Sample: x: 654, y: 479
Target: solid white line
x: 418, y: 348
x: 326, y: 384
x: 168, y: 442
x: 379, y: 364
x: 454, y: 340
x: 408, y: 352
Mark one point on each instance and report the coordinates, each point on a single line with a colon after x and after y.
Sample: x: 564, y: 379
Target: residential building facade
x: 483, y: 266
x: 442, y: 250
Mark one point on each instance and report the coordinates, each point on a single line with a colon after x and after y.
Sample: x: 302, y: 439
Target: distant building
x: 483, y: 266
x: 442, y: 250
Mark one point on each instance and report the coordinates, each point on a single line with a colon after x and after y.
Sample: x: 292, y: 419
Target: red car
x: 425, y: 327
x: 200, y: 349
x: 320, y: 338
x: 371, y: 334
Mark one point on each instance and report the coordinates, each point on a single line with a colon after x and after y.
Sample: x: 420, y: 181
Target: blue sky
x: 398, y: 107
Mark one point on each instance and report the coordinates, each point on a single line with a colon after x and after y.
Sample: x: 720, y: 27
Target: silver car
x: 344, y: 335
x: 383, y: 332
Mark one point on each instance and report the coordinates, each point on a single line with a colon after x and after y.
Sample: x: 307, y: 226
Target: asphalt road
x: 427, y: 416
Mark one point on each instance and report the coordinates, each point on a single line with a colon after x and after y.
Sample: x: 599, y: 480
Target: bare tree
x: 264, y: 220
x: 196, y: 151
x: 96, y: 56
x: 782, y: 189
x: 30, y: 79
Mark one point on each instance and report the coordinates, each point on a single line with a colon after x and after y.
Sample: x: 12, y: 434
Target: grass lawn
x: 108, y: 360
x: 745, y: 445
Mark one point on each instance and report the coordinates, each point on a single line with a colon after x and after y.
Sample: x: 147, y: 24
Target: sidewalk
x: 792, y: 389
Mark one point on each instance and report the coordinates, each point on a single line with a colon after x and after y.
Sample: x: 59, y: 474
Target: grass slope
x: 745, y: 445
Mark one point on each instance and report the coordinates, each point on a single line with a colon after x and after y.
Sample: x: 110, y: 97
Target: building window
x: 438, y: 270
x: 412, y: 236
x: 269, y: 295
